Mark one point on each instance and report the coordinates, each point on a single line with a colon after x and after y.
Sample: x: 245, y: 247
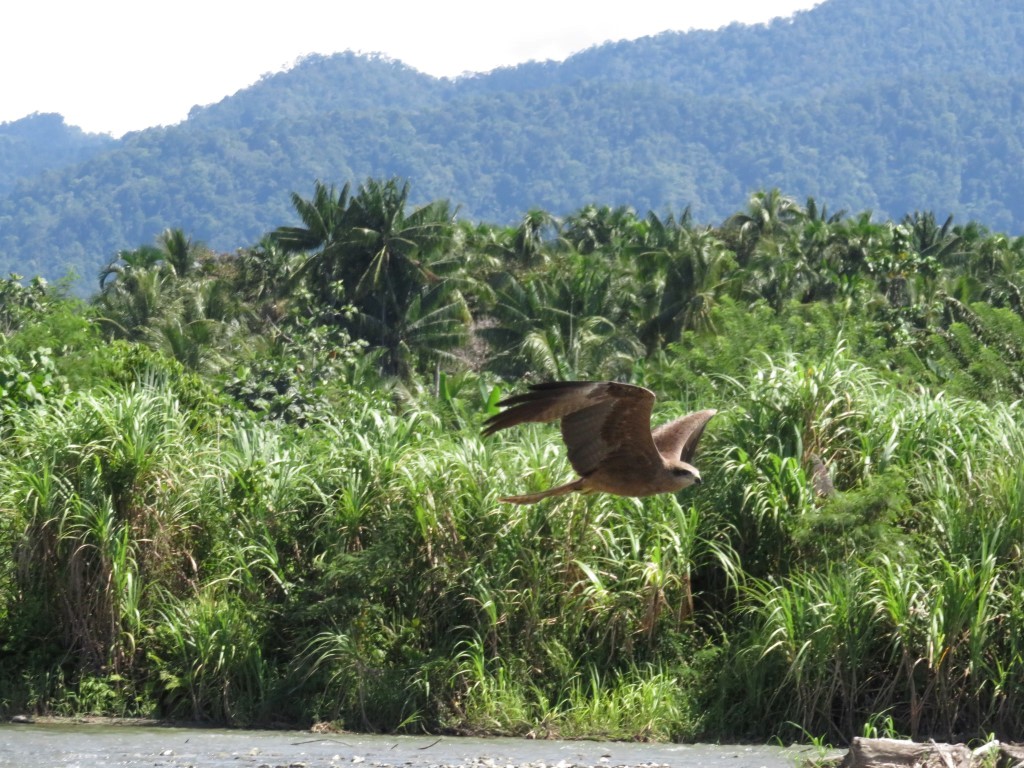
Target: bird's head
x: 684, y: 474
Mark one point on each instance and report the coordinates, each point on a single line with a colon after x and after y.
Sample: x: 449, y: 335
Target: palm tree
x: 571, y: 320
x: 176, y: 255
x: 133, y: 303
x: 929, y: 240
x: 379, y: 269
x: 857, y: 244
x: 321, y: 238
x: 593, y: 347
x: 266, y: 271
x: 778, y: 273
x: 997, y: 263
x: 126, y: 263
x: 433, y: 325
x: 535, y: 228
x: 178, y: 252
x: 323, y: 219
x: 386, y: 246
x: 816, y: 242
x: 607, y: 229
x: 193, y: 344
x: 393, y: 259
x: 769, y: 214
x: 685, y: 271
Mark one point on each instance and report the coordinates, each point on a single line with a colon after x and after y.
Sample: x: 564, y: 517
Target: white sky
x: 112, y: 66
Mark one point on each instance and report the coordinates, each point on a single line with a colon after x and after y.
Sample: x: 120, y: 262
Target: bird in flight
x: 606, y: 427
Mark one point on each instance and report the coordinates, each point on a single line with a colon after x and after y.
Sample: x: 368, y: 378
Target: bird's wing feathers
x: 599, y: 419
x: 678, y: 439
x: 616, y: 427
x: 544, y: 402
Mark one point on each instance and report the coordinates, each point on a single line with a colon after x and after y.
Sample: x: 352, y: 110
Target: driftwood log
x: 896, y: 753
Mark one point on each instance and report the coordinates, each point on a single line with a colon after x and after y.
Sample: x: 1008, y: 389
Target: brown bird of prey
x: 606, y: 427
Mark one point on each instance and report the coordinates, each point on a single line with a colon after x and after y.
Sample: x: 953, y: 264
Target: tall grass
x: 98, y: 515
x: 927, y: 644
x: 638, y: 703
x: 209, y: 659
x: 913, y: 621
x: 360, y: 569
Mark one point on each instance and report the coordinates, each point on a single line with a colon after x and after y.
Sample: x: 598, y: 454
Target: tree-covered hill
x: 43, y: 142
x: 832, y: 46
x: 886, y: 106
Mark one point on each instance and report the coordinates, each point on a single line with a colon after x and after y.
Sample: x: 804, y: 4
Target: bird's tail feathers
x: 533, y: 498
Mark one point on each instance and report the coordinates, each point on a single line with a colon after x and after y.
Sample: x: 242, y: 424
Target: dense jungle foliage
x: 251, y: 488
x: 883, y: 105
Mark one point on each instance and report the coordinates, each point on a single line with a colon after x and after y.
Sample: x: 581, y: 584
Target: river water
x: 71, y: 745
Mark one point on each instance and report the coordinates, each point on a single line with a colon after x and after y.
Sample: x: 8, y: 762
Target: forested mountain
x: 836, y: 45
x: 880, y: 105
x: 43, y: 142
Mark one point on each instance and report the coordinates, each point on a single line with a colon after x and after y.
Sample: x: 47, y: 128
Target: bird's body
x: 606, y: 427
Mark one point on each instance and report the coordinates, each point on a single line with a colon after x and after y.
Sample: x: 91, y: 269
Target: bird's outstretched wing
x: 678, y: 439
x: 600, y: 419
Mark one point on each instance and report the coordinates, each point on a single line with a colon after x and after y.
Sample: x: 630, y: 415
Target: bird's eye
x: 682, y: 472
